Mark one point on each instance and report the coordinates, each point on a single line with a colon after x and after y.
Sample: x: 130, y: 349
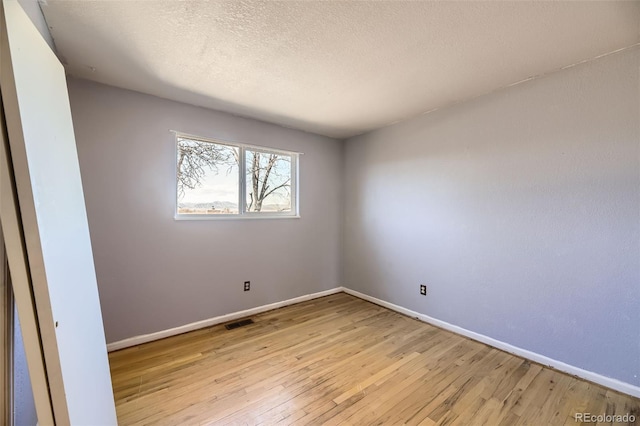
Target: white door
x: 54, y: 224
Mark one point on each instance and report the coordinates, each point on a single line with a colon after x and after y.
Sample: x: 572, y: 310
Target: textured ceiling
x: 334, y: 68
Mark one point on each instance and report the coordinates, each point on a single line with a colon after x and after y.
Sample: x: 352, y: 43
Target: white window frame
x: 242, y: 181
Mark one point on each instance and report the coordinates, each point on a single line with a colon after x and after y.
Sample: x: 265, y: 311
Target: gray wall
x: 519, y: 210
x: 24, y: 408
x: 156, y: 273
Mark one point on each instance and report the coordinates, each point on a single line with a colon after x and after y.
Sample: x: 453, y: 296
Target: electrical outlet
x: 247, y: 285
x: 423, y: 289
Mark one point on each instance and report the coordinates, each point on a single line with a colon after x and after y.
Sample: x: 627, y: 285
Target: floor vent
x: 237, y: 324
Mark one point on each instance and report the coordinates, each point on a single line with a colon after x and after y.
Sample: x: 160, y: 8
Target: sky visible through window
x: 217, y: 186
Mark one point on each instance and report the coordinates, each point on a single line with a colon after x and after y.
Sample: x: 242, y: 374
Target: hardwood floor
x: 342, y: 360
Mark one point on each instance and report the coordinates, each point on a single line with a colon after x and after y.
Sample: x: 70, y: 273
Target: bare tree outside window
x: 268, y: 179
x: 196, y: 158
x: 209, y: 181
x: 207, y: 178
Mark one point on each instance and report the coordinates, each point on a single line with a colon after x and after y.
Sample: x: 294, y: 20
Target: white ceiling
x: 333, y: 68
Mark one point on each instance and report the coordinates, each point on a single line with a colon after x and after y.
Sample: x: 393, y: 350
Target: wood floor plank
x: 342, y: 360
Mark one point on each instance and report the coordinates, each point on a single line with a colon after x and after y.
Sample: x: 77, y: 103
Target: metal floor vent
x: 237, y: 324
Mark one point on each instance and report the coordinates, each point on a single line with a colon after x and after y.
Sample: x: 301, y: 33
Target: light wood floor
x: 341, y: 360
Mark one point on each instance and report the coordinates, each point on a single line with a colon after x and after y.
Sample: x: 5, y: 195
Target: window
x: 217, y: 179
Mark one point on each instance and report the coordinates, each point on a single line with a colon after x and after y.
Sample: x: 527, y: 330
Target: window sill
x: 233, y: 217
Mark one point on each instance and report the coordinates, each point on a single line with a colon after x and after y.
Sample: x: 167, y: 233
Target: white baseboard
x: 608, y: 382
x: 138, y: 340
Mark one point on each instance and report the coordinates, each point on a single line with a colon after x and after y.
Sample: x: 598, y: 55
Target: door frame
x: 19, y: 285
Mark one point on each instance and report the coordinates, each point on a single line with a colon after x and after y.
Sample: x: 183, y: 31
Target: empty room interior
x: 347, y: 212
